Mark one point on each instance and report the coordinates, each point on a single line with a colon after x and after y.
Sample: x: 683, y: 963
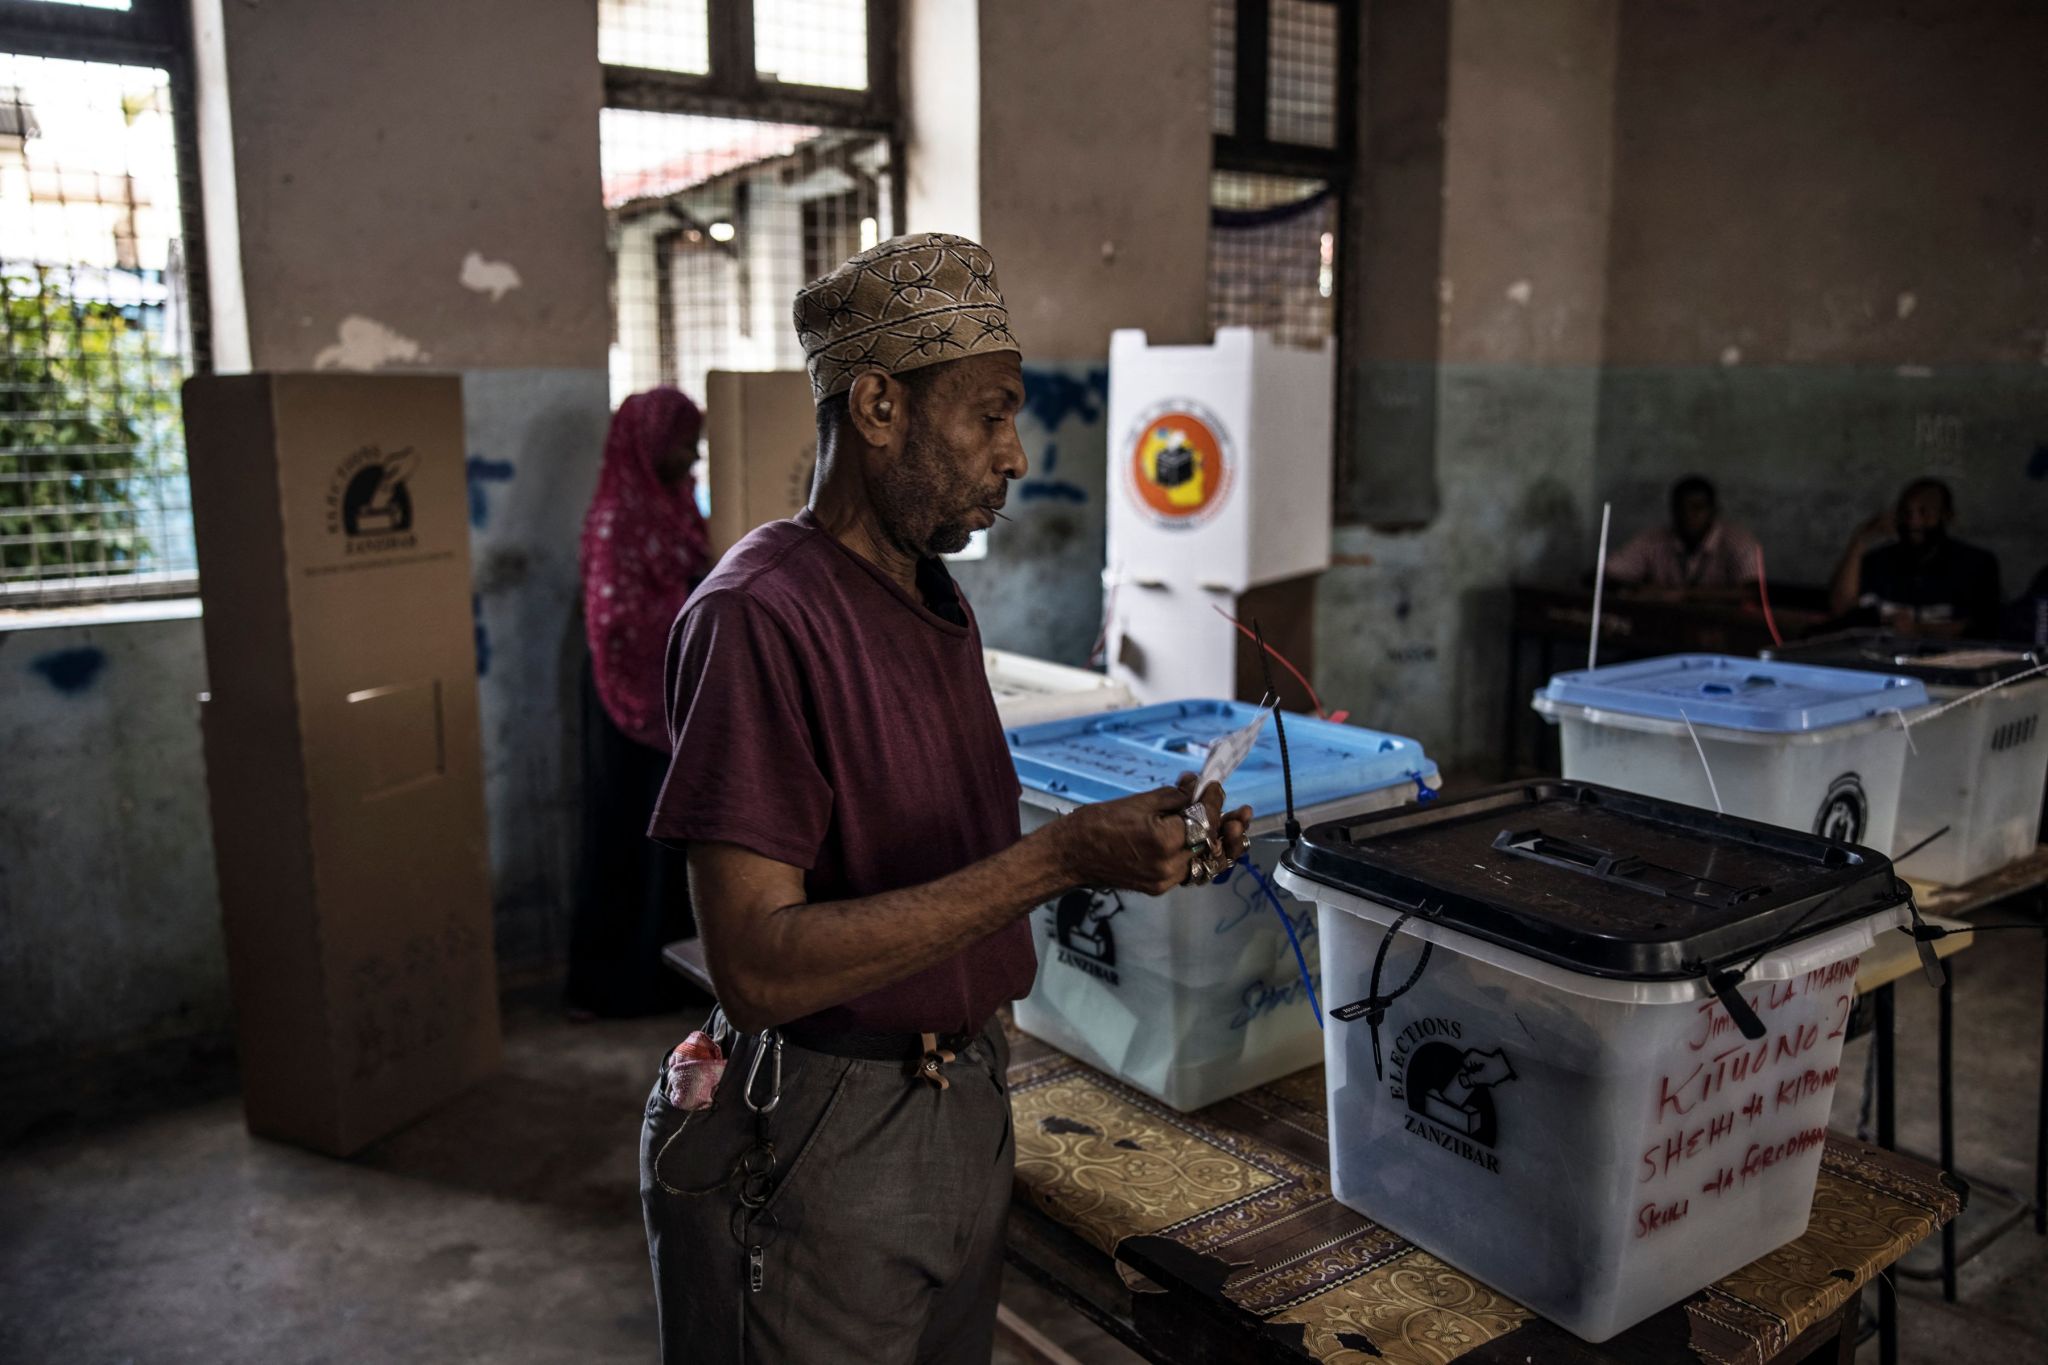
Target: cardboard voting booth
x: 344, y: 767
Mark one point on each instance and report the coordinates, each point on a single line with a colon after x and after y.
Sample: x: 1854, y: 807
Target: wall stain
x: 71, y: 671
x: 1051, y: 396
x: 480, y: 472
x: 1056, y: 490
x: 483, y: 636
x: 2037, y: 468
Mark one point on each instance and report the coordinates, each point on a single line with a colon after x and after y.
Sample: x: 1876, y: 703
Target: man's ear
x: 876, y: 405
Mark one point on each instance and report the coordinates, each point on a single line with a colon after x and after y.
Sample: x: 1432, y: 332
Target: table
x: 1212, y: 1237
x: 1894, y: 959
x: 1633, y: 627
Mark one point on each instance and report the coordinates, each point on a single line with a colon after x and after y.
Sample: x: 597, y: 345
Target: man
x: 1696, y: 552
x: 849, y: 810
x: 1924, y: 582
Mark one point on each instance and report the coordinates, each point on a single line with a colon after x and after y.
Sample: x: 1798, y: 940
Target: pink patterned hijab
x: 644, y: 548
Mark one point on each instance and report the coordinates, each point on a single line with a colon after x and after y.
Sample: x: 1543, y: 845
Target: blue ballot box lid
x: 1121, y: 753
x: 1738, y: 694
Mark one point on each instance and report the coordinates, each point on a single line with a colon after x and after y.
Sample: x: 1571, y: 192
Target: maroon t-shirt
x: 824, y: 717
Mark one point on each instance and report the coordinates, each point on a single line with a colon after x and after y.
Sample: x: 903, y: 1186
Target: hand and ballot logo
x: 1181, y: 464
x: 1448, y: 1087
x: 369, y: 500
x: 1844, y: 811
x: 1081, y: 928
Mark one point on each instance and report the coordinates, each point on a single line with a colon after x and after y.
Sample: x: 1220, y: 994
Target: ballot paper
x: 1227, y: 753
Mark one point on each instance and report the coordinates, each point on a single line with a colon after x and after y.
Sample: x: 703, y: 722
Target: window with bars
x: 1273, y: 255
x: 96, y: 327
x: 748, y: 147
x: 715, y: 224
x: 1282, y: 91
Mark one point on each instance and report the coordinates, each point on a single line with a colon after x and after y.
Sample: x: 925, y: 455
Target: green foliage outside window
x: 88, y: 430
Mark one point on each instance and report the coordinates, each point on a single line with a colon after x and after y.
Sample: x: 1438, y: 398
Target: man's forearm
x: 804, y: 957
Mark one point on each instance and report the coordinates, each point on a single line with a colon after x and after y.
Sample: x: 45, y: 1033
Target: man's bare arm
x: 776, y: 957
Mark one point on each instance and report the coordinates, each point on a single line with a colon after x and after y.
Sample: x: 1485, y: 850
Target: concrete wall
x: 431, y: 202
x: 1414, y: 640
x: 1089, y: 183
x: 109, y: 914
x: 1829, y: 269
x: 378, y: 145
x: 1796, y: 247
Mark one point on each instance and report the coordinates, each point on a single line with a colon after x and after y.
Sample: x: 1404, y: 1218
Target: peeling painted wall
x: 109, y: 913
x: 385, y: 201
x: 1414, y: 641
x: 432, y: 202
x: 535, y: 441
x: 1830, y: 269
x: 1039, y: 592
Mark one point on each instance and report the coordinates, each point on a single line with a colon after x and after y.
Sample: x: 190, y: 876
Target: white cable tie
x: 1599, y: 585
x: 1705, y: 766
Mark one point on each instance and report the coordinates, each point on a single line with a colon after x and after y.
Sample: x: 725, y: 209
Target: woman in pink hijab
x: 645, y: 548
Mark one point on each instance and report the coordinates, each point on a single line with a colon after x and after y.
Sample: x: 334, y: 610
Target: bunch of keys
x: 1210, y: 862
x: 754, y: 1172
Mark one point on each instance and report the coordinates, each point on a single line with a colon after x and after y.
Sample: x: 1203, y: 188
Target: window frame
x: 1249, y: 149
x: 733, y: 87
x: 158, y: 34
x: 154, y: 33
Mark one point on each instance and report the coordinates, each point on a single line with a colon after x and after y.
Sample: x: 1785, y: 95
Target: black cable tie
x: 1723, y: 984
x: 1924, y: 935
x: 1373, y: 1009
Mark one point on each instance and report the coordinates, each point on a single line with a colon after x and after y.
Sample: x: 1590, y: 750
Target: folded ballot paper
x: 1228, y: 752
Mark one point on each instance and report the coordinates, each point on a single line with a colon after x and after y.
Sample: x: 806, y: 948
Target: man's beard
x: 906, y: 494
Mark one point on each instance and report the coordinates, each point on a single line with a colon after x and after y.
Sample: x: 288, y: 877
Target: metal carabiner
x: 767, y: 1039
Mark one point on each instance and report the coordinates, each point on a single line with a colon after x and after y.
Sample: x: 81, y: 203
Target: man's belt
x: 870, y: 1047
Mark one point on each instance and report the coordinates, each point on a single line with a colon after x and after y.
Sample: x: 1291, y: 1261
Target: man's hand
x: 1140, y: 843
x: 1879, y: 530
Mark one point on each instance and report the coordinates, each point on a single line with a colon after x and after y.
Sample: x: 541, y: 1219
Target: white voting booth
x: 1219, y: 483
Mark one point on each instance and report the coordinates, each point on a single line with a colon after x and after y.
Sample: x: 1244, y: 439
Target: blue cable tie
x: 1287, y: 923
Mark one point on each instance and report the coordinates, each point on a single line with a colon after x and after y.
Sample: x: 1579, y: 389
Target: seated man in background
x: 1697, y: 554
x: 1924, y: 581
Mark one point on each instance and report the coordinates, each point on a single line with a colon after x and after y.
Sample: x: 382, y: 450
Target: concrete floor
x: 506, y: 1227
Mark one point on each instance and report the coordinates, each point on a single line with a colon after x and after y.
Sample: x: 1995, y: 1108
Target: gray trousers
x: 881, y: 1240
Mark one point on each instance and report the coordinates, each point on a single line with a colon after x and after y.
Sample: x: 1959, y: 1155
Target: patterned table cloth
x: 1242, y: 1190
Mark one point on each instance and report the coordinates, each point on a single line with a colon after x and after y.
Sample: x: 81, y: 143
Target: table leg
x: 1946, y: 1064
x: 1881, y: 1043
x: 1887, y: 1320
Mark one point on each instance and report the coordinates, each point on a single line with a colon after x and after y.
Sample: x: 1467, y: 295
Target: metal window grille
x: 1223, y: 101
x: 812, y: 42
x: 96, y: 333
x: 1301, y: 73
x: 1272, y: 255
x: 661, y: 35
x: 715, y: 224
x: 741, y: 160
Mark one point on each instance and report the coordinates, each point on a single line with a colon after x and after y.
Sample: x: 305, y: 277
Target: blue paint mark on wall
x: 2037, y: 468
x: 481, y: 472
x: 1043, y: 489
x: 1052, y: 396
x: 1051, y: 490
x: 483, y: 636
x: 71, y: 671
